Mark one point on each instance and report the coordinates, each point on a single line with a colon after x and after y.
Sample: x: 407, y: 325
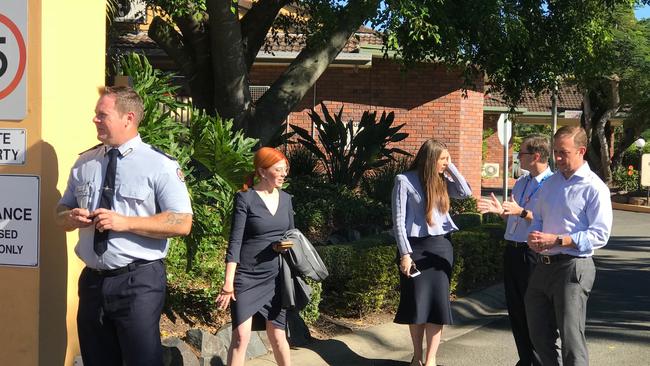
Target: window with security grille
x: 257, y: 91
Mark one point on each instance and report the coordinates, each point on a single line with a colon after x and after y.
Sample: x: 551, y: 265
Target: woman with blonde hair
x: 262, y: 214
x: 422, y: 225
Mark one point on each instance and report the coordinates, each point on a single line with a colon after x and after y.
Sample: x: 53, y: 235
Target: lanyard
x: 522, y: 203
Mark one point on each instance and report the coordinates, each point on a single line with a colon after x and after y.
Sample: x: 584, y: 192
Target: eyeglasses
x: 525, y: 153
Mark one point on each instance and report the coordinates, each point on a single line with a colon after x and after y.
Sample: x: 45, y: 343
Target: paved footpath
x: 618, y: 321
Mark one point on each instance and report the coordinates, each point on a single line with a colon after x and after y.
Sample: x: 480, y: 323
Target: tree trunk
x: 288, y: 90
x: 600, y: 105
x: 629, y: 136
x: 232, y: 96
x: 233, y: 45
x: 191, y: 53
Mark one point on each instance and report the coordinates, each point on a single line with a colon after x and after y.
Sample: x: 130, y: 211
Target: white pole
x: 505, y: 168
x: 554, y: 121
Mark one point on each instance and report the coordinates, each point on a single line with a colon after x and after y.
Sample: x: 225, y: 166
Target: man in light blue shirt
x: 572, y: 218
x: 126, y: 199
x: 518, y: 259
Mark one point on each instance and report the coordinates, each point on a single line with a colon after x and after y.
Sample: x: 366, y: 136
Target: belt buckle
x: 546, y: 259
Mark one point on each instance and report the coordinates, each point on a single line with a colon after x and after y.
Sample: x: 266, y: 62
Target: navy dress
x: 257, y: 281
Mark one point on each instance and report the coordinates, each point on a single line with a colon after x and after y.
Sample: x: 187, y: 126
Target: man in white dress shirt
x: 572, y: 218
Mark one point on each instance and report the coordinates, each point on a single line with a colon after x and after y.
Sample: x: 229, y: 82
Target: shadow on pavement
x: 335, y: 352
x: 620, y: 300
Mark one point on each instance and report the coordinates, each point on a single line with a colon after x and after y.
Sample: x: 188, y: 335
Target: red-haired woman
x: 421, y: 223
x: 261, y: 215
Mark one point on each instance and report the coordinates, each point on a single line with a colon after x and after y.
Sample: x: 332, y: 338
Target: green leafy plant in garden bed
x: 321, y: 208
x: 364, y: 276
x: 346, y: 151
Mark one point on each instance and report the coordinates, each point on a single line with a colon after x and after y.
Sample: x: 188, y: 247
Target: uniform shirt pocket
x: 135, y: 198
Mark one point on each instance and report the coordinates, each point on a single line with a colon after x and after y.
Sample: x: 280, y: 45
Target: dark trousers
x: 518, y: 265
x: 118, y: 317
x: 556, y: 304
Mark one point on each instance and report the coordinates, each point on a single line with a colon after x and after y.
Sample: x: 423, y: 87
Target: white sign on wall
x: 13, y: 60
x: 12, y: 146
x: 19, y: 220
x: 645, y: 170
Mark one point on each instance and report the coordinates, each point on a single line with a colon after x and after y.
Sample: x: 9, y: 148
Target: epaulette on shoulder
x: 162, y: 152
x: 92, y: 148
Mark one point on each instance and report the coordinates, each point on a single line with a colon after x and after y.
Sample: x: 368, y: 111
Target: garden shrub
x: 462, y: 205
x: 364, y: 276
x: 478, y: 257
x: 489, y: 217
x: 346, y: 151
x: 302, y: 162
x: 311, y: 312
x: 321, y: 208
x: 467, y: 220
x: 378, y: 183
x: 625, y: 181
x: 191, y: 293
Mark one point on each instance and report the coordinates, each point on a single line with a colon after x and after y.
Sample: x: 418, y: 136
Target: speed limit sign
x: 13, y: 59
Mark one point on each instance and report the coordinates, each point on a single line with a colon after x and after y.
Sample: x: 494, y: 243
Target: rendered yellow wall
x: 65, y: 68
x: 73, y: 48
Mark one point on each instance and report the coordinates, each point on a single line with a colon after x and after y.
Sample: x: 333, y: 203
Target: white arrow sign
x: 504, y: 129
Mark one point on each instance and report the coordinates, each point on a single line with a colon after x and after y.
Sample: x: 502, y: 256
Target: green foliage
x: 484, y: 147
x: 492, y: 218
x: 520, y: 46
x: 191, y: 293
x: 302, y: 162
x: 224, y: 152
x: 311, y: 312
x: 158, y: 128
x: 180, y: 8
x: 478, y: 258
x: 623, y: 181
x: 321, y: 208
x: 364, y: 277
x: 465, y: 205
x: 348, y: 152
x: 521, y: 130
x: 378, y: 183
x: 467, y: 220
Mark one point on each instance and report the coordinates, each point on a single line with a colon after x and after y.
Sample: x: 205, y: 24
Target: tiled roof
x: 279, y: 43
x: 568, y: 99
x: 135, y: 40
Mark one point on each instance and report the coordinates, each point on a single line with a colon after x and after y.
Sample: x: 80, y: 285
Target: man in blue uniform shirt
x: 572, y: 218
x: 518, y: 259
x: 126, y: 199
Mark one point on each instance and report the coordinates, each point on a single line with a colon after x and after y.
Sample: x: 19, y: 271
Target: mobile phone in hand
x: 413, y: 272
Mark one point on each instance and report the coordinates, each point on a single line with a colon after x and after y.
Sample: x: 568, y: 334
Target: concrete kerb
x: 390, y: 341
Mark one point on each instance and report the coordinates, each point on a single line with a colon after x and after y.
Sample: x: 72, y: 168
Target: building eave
x: 344, y: 59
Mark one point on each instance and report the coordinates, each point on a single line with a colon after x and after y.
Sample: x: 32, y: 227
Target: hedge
x: 364, y: 276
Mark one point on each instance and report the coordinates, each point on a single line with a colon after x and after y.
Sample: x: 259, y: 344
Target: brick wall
x: 427, y: 98
x: 495, y: 153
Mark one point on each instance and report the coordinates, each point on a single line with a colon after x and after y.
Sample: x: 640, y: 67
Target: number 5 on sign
x: 13, y: 60
x: 3, y: 58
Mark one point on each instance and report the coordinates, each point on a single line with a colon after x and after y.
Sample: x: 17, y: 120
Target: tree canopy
x: 614, y: 79
x: 520, y: 45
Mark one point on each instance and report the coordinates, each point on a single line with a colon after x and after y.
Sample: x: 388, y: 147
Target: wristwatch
x: 523, y: 213
x: 559, y: 240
